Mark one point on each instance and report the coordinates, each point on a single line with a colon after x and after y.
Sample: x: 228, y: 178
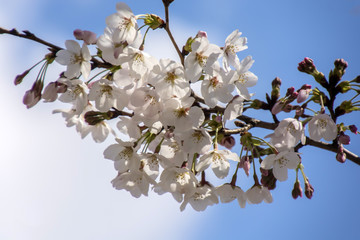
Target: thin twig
x: 53, y: 48
x: 167, y: 28
x: 330, y: 147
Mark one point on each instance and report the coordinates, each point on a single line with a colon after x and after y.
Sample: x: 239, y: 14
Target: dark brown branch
x: 330, y: 147
x: 167, y: 28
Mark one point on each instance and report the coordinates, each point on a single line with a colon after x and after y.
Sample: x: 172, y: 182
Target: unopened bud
x: 268, y: 179
x: 245, y: 164
x: 297, y: 190
x: 341, y: 155
x: 353, y: 129
x: 309, y: 190
x: 340, y: 64
x: 343, y: 138
x: 228, y: 142
x: 307, y: 66
x: 278, y: 107
x: 201, y: 34
x: 19, y: 78
x: 290, y: 91
x: 303, y: 95
x: 87, y: 36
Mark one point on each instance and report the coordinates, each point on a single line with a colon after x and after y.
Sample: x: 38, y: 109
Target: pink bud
x: 201, y: 34
x: 78, y: 34
x: 228, y: 142
x: 89, y: 37
x: 245, y: 164
x: 344, y: 139
x: 303, y: 95
x: 278, y: 106
x: 353, y: 129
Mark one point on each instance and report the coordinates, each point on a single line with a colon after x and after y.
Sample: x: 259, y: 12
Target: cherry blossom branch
x: 167, y: 28
x: 53, y: 48
x: 330, y: 147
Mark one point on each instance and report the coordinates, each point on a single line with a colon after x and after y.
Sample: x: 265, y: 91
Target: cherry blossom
x: 322, y: 126
x: 76, y: 58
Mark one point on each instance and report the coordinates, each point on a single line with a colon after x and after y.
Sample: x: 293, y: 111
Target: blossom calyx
x: 95, y: 117
x: 343, y: 87
x: 154, y: 21
x: 345, y: 107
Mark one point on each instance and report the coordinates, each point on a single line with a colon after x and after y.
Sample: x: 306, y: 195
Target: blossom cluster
x: 173, y: 117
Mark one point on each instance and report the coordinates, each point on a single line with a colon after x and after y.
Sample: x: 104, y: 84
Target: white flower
x: 233, y: 44
x: 181, y: 115
x: 234, y: 108
x: 139, y: 61
x: 243, y: 78
x: 106, y: 95
x: 196, y: 141
x: 76, y: 58
x: 322, y: 126
x: 149, y: 163
x: 136, y: 182
x: 218, y: 159
x: 169, y: 80
x: 280, y: 163
x: 123, y: 154
x: 256, y: 194
x: 124, y: 21
x: 177, y: 181
x: 76, y: 93
x: 287, y: 134
x: 229, y: 193
x: 202, y: 57
x: 129, y: 127
x: 215, y: 87
x: 203, y: 197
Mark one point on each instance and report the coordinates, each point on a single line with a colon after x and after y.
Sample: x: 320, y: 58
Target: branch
x: 167, y: 28
x: 53, y: 48
x: 330, y: 147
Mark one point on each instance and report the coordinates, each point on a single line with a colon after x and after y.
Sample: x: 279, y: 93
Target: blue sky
x: 56, y: 186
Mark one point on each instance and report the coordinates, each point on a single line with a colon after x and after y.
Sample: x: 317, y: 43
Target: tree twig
x: 330, y: 147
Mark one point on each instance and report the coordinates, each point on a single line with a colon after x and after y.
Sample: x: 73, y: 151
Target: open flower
x: 322, y: 126
x: 280, y: 163
x: 76, y: 58
x: 218, y: 159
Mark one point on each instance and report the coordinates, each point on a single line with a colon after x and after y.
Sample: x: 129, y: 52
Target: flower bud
x: 303, y: 95
x: 307, y: 66
x: 309, y: 190
x: 288, y: 108
x: 278, y: 107
x: 341, y: 155
x: 290, y: 91
x: 228, y: 142
x: 19, y: 78
x: 268, y: 179
x: 78, y: 34
x: 201, y: 34
x: 297, y: 190
x: 245, y: 164
x: 340, y: 64
x: 353, y: 129
x: 90, y: 37
x: 343, y: 138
